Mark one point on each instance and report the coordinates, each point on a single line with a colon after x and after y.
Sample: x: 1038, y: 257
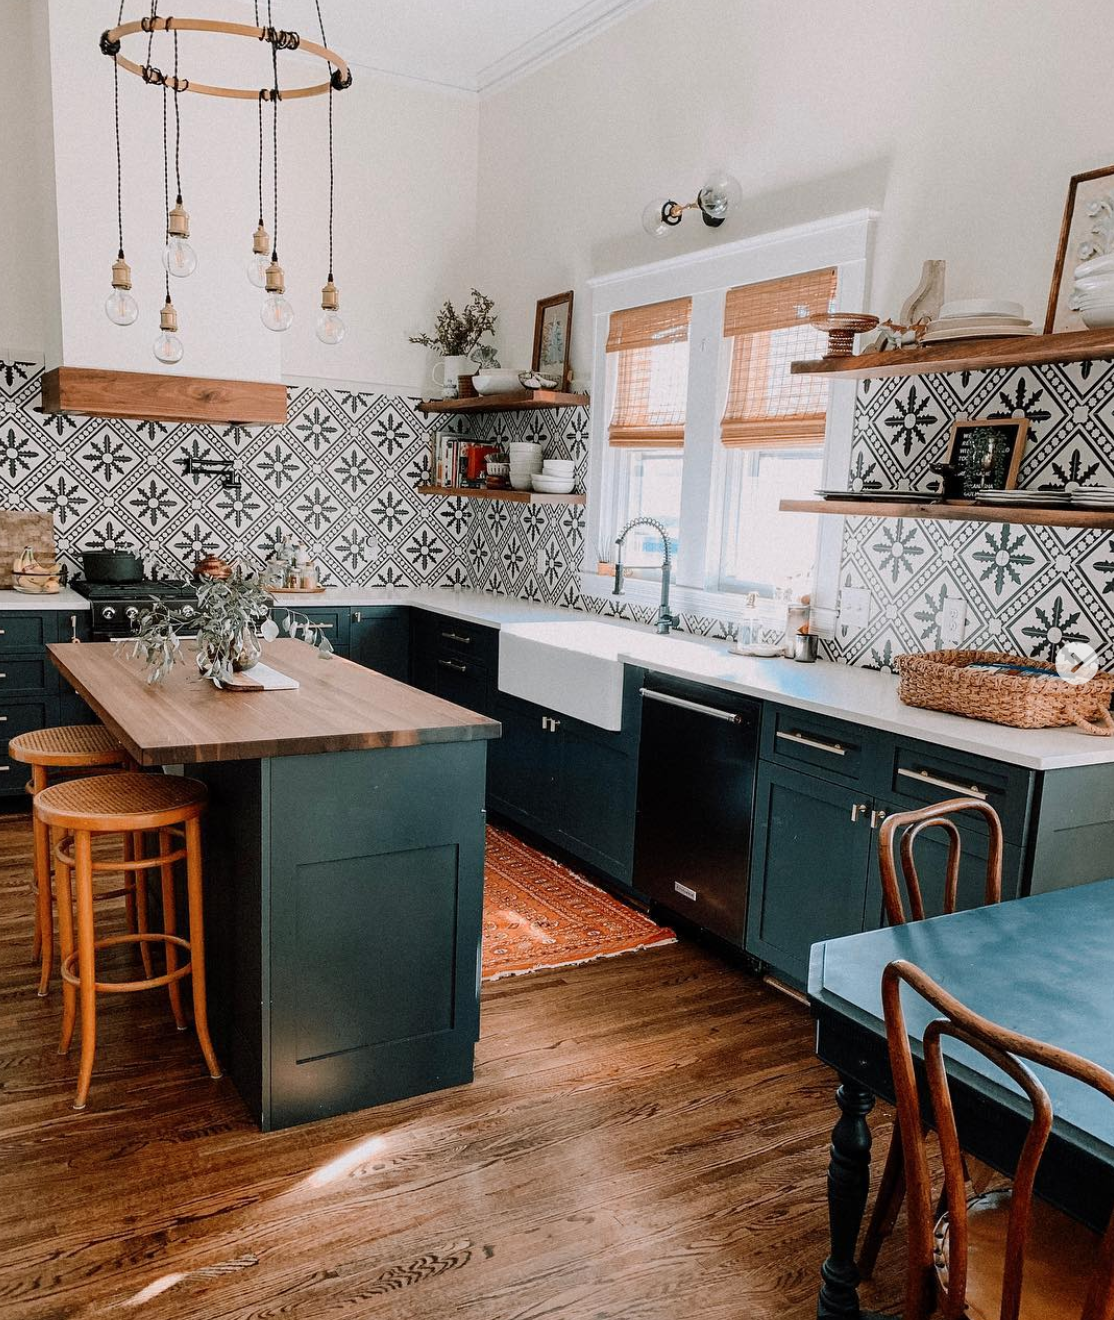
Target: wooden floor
x: 646, y: 1139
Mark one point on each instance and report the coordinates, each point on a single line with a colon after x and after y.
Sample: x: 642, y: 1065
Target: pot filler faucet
x: 666, y: 618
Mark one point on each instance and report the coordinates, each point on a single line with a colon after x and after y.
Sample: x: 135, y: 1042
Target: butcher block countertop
x: 339, y: 707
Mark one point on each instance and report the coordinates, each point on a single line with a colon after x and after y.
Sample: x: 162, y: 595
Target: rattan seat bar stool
x: 170, y: 807
x: 67, y: 750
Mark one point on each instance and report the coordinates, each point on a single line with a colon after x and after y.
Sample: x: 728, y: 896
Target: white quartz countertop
x: 66, y: 599
x: 861, y: 696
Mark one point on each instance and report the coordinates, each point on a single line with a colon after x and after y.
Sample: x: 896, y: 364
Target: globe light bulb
x: 276, y: 313
x: 330, y: 328
x: 121, y: 308
x: 168, y: 348
x: 179, y: 258
x: 654, y: 217
x: 257, y: 270
x: 722, y: 193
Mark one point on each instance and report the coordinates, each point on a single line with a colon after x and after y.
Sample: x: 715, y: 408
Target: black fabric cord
x: 332, y: 170
x: 276, y: 96
x: 119, y: 157
x: 259, y: 103
x: 166, y: 183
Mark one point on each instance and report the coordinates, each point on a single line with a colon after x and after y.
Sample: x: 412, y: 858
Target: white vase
x: 451, y: 368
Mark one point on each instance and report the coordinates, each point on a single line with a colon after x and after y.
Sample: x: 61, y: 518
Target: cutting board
x: 19, y: 528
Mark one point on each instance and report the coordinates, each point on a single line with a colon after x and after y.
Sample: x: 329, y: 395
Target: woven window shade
x: 651, y: 388
x: 767, y: 406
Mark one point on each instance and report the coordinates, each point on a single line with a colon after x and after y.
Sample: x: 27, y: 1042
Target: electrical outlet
x: 854, y: 607
x: 953, y: 620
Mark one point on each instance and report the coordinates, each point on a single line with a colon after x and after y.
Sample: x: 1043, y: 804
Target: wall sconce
x: 713, y: 201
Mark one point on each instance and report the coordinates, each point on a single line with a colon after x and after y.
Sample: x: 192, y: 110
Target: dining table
x: 1043, y: 966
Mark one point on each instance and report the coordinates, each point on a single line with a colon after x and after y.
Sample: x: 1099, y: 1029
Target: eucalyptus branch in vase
x: 226, y: 630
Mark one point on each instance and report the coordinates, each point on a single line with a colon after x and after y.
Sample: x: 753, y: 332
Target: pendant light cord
x: 177, y: 126
x: 276, y: 96
x: 332, y: 171
x: 259, y: 103
x: 166, y: 183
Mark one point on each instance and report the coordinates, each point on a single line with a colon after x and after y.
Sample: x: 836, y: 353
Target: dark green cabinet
x: 523, y: 767
x: 809, y: 866
x: 379, y: 638
x: 454, y: 660
x: 332, y: 620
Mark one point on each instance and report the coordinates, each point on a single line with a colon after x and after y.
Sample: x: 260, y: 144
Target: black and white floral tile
x: 1028, y: 589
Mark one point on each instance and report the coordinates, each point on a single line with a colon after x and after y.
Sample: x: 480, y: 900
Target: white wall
x: 405, y: 219
x: 960, y: 122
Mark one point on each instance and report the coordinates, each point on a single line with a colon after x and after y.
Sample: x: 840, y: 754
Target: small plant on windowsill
x: 226, y: 630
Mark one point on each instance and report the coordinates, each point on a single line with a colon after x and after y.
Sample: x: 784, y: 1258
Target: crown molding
x: 587, y: 22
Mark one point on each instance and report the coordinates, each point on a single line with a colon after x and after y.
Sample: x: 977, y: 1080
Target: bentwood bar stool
x: 169, y: 807
x: 62, y: 751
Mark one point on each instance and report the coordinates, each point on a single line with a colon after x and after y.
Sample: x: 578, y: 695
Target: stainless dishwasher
x: 696, y: 774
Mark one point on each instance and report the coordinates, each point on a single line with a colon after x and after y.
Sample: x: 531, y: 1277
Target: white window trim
x: 844, y: 241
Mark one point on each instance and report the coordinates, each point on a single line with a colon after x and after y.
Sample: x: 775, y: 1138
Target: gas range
x: 116, y: 605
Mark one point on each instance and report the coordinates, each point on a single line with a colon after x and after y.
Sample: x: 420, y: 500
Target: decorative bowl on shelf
x: 546, y: 485
x: 841, y: 329
x: 497, y: 380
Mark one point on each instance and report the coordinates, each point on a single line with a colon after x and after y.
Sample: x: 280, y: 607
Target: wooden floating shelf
x: 150, y: 397
x: 515, y: 496
x: 987, y: 513
x: 493, y: 403
x: 967, y: 355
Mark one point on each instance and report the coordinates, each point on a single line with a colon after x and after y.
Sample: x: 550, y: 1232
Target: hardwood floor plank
x: 646, y: 1139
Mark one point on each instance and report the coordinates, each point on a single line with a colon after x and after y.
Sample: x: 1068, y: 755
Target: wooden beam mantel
x: 146, y: 396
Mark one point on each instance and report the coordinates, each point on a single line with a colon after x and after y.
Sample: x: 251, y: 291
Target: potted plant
x: 226, y: 631
x: 456, y: 335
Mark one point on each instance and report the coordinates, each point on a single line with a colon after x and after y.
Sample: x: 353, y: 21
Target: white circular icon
x: 1076, y: 662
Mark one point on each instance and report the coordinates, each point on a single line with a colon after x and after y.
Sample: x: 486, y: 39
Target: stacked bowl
x: 1093, y: 295
x: 525, y: 460
x: 557, y: 477
x: 979, y: 318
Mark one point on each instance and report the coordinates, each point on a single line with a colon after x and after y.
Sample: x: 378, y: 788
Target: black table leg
x: 848, y: 1187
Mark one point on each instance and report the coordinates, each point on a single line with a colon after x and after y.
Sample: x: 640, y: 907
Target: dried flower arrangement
x: 231, y: 618
x: 456, y: 334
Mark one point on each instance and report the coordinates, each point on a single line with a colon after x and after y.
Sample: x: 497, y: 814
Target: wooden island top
x: 339, y: 707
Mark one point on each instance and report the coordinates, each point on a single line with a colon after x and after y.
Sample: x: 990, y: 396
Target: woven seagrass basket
x: 941, y: 680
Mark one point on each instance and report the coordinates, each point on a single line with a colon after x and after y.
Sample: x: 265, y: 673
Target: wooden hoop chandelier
x: 340, y: 78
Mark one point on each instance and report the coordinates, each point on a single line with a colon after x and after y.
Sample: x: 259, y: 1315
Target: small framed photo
x: 986, y: 453
x: 1087, y: 231
x: 552, y: 332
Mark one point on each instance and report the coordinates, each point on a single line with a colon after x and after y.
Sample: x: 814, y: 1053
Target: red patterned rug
x: 538, y: 914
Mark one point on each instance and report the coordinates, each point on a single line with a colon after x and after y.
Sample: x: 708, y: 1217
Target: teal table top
x: 1043, y: 966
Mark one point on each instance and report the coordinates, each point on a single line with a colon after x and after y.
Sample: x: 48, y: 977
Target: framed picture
x: 552, y: 332
x: 1087, y: 231
x: 986, y: 452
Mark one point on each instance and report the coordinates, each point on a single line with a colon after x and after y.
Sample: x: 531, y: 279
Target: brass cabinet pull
x: 877, y: 817
x: 859, y: 809
x: 965, y: 790
x: 836, y: 749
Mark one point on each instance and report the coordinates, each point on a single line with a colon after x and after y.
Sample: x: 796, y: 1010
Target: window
x: 773, y: 430
x: 648, y: 354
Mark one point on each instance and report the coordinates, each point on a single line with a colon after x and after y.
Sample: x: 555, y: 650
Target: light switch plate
x: 953, y: 620
x: 854, y: 607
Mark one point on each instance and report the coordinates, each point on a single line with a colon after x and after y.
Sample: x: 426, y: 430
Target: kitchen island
x: 344, y: 851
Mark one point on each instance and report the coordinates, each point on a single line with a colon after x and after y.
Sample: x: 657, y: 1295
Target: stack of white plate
x: 979, y: 318
x: 557, y: 477
x: 1024, y: 498
x: 525, y: 459
x: 1094, y: 292
x: 1093, y: 497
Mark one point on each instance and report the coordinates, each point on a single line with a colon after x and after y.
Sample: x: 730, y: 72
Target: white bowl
x: 552, y: 485
x: 521, y: 481
x: 981, y: 307
x: 559, y: 464
x: 497, y: 380
x: 1099, y: 317
x: 1095, y: 266
x: 524, y: 447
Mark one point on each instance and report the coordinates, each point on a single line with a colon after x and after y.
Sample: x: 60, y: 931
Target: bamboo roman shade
x: 767, y: 406
x: 651, y: 385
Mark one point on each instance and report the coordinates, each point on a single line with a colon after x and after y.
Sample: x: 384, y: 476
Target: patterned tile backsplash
x: 342, y: 474
x: 1028, y: 589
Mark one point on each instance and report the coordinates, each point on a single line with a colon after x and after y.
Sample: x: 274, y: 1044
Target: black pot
x: 111, y: 566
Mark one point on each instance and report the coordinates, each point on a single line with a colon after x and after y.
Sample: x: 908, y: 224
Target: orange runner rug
x: 539, y: 914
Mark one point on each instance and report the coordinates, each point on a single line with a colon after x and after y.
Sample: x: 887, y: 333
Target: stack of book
x: 447, y: 465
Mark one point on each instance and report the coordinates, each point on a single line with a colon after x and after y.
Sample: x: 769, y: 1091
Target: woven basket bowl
x: 940, y: 680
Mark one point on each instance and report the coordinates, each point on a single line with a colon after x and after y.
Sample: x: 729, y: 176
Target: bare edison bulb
x: 276, y: 313
x: 257, y: 270
x: 121, y: 308
x: 330, y: 328
x: 720, y: 194
x: 179, y: 258
x: 168, y: 348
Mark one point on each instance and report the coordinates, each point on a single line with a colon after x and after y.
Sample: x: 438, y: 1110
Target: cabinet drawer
x: 25, y: 674
x: 25, y: 630
x: 471, y: 640
x: 15, y: 718
x: 840, y: 751
x: 922, y: 773
x: 334, y: 622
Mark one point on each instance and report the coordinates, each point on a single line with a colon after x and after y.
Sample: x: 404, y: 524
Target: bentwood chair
x: 907, y: 827
x: 1002, y: 1255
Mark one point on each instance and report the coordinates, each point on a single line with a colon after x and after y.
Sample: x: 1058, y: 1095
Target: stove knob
x: 108, y: 612
x: 188, y: 611
x: 132, y: 612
